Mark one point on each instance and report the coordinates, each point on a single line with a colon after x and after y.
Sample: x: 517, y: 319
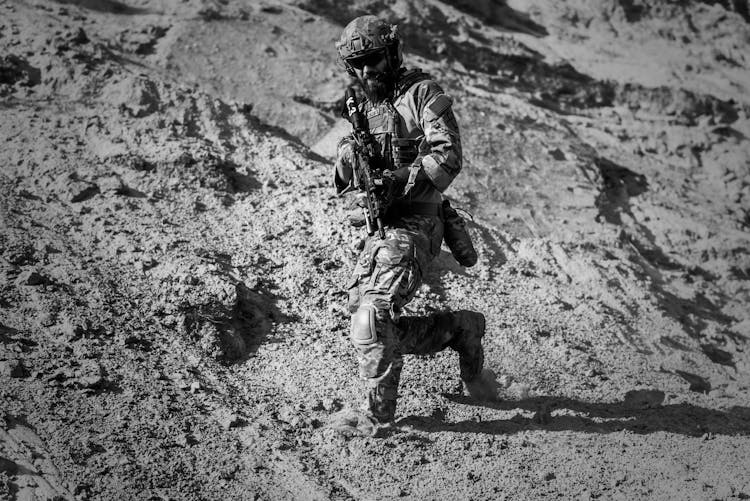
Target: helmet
x: 368, y: 34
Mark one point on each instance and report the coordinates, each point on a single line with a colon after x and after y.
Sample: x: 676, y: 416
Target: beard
x: 378, y: 87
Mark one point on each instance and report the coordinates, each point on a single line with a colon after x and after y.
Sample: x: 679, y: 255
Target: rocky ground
x: 172, y: 321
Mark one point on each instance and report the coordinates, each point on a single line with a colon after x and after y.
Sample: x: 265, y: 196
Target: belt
x: 401, y: 209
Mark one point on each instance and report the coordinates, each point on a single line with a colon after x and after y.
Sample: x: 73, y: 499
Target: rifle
x: 367, y: 176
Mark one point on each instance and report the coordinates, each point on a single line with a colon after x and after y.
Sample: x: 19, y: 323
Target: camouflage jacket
x: 426, y: 134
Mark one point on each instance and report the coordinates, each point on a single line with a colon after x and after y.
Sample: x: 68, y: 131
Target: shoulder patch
x: 437, y: 107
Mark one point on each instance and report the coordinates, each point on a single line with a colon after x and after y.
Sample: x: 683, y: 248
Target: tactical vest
x: 387, y: 125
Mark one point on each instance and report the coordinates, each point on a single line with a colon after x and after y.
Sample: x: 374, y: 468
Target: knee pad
x: 363, y: 325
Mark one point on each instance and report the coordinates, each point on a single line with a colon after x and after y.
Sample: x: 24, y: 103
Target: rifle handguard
x: 363, y: 175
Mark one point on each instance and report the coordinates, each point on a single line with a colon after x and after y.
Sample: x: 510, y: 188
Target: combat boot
x: 484, y: 387
x: 468, y: 331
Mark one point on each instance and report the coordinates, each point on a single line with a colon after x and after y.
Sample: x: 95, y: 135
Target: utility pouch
x: 457, y: 237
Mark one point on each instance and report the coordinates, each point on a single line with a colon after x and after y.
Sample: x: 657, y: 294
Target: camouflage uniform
x: 389, y: 271
x: 419, y: 141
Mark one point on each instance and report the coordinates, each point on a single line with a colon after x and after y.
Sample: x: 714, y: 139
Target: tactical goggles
x: 371, y: 59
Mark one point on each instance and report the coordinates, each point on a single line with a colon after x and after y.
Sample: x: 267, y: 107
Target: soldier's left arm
x: 441, y: 162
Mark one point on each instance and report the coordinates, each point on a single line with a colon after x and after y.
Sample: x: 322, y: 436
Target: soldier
x: 410, y: 118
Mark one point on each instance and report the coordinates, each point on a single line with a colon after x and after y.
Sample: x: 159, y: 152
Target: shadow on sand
x: 112, y: 6
x: 593, y: 417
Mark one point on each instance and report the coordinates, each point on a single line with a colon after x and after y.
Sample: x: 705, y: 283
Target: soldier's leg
x: 385, y: 276
x: 380, y: 361
x: 461, y: 330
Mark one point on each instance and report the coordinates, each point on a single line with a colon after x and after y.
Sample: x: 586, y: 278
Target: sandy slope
x: 173, y: 259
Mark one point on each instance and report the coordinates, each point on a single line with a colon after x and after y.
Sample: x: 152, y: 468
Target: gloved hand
x: 398, y: 176
x: 401, y: 176
x: 344, y: 161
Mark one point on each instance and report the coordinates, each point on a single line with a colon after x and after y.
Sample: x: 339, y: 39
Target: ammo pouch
x: 456, y: 236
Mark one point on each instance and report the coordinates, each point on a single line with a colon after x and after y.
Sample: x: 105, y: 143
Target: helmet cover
x: 368, y: 34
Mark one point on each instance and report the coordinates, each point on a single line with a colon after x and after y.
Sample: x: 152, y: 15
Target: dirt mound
x: 174, y: 263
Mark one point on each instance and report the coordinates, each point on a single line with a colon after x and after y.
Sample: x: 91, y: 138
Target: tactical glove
x: 401, y: 177
x: 398, y: 176
x: 344, y: 161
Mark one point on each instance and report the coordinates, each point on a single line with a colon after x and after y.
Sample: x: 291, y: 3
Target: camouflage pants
x: 387, y: 276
